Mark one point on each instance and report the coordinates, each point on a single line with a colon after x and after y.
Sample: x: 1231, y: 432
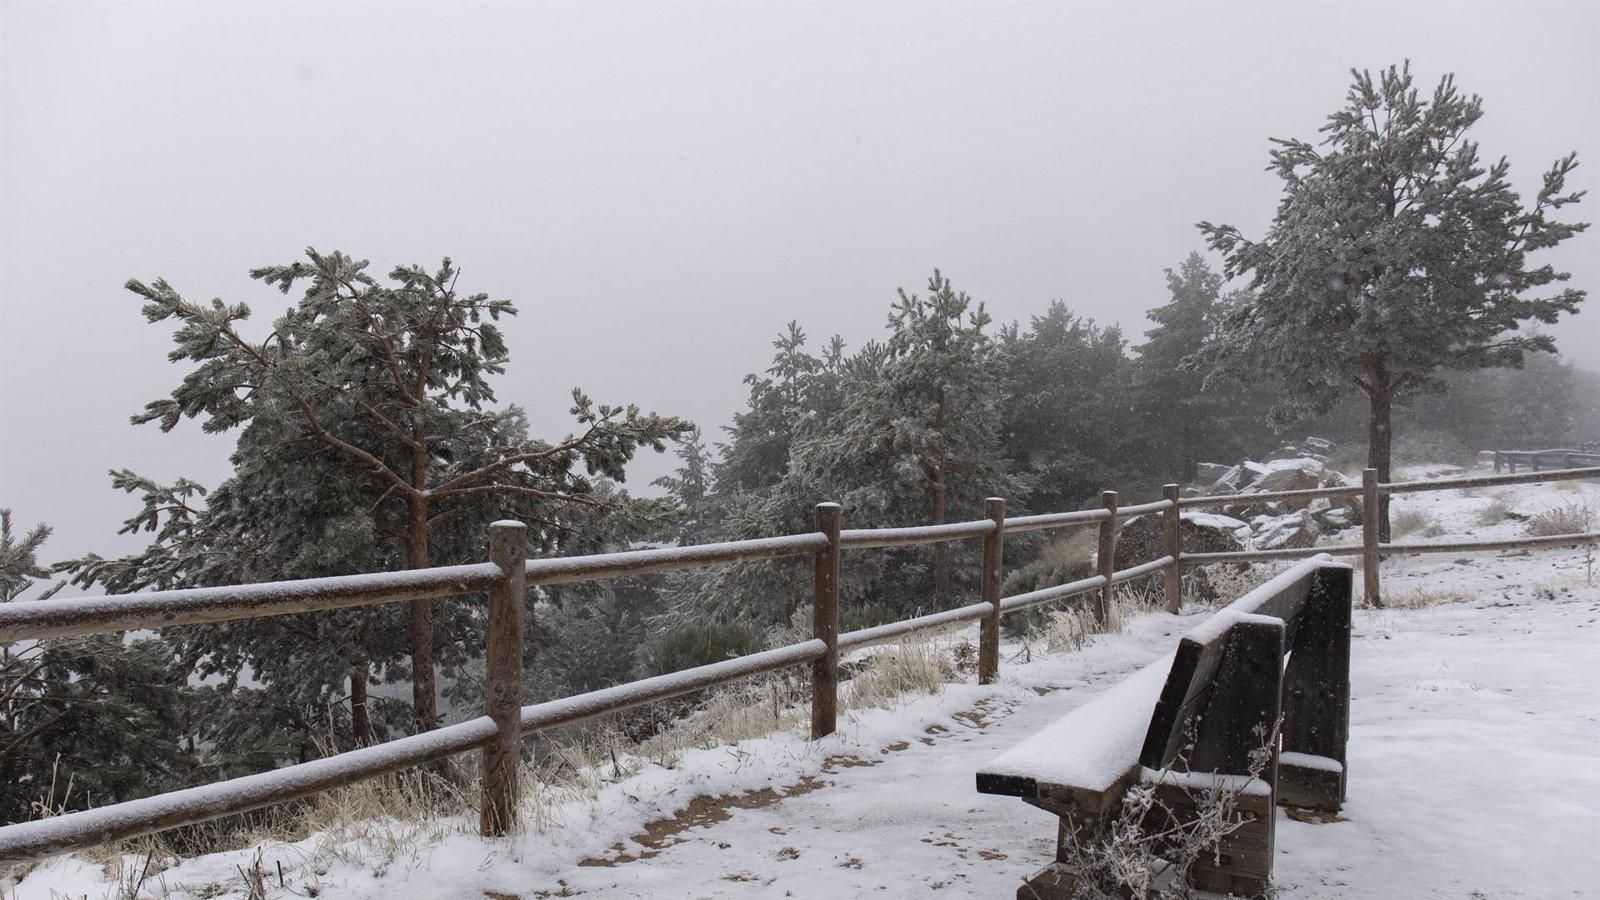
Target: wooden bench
x: 1190, y: 721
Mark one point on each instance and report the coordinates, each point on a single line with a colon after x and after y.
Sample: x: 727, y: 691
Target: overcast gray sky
x: 661, y: 187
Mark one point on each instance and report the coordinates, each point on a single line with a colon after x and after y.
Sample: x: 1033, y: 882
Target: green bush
x: 854, y: 617
x: 687, y: 646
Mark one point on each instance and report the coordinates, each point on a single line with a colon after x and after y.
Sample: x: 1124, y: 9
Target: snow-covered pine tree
x: 1064, y: 378
x: 1395, y: 252
x: 918, y: 436
x: 385, y: 376
x: 690, y: 486
x: 86, y: 720
x: 1182, y: 414
x: 798, y: 391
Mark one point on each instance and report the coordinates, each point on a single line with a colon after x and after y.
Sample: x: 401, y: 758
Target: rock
x: 1336, y: 519
x: 1294, y: 530
x: 1297, y: 474
x: 1239, y: 477
x: 1287, y: 451
x: 1139, y: 540
x: 1317, y: 444
x: 1208, y: 473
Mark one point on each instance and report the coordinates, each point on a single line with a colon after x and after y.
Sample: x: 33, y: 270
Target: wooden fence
x: 506, y: 577
x: 1562, y: 458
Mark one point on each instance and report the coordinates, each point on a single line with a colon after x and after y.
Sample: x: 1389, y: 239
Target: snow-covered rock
x: 1297, y: 474
x: 1139, y: 539
x: 1294, y: 530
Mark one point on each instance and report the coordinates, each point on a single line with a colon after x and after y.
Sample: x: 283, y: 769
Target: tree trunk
x: 424, y: 705
x: 1380, y: 434
x: 941, y: 550
x: 360, y: 716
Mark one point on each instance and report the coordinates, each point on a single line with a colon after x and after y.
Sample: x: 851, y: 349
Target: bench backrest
x: 1228, y: 680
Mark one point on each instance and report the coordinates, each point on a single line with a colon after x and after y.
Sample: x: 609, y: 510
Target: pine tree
x: 918, y: 433
x: 388, y: 378
x: 1395, y: 252
x: 86, y: 720
x: 691, y: 486
x: 1064, y: 378
x: 1185, y: 410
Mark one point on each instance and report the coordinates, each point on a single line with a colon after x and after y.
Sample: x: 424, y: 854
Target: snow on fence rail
x: 507, y: 576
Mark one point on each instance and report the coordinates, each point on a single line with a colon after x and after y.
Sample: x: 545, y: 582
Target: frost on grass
x: 1568, y: 518
x: 1167, y: 821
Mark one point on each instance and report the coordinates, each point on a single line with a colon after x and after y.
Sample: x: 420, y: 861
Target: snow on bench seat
x: 1088, y: 753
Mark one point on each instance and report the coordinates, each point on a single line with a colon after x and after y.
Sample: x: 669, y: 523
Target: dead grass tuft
x: 1408, y: 520
x: 1570, y: 518
x: 1495, y: 511
x: 1421, y: 598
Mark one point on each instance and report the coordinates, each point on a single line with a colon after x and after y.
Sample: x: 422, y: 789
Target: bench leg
x: 1242, y: 862
x: 1319, y: 787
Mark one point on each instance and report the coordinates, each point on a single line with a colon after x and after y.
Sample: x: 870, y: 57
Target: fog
x: 660, y: 188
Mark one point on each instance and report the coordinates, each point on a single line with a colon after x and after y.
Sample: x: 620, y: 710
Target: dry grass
x: 1065, y: 630
x: 1410, y: 520
x: 1420, y: 598
x: 910, y: 667
x: 1495, y: 511
x: 1570, y: 518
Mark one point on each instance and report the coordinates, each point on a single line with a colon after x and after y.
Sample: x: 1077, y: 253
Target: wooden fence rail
x: 506, y: 577
x: 1562, y: 458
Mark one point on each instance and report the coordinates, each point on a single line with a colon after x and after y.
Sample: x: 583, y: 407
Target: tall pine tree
x: 385, y: 376
x: 1395, y: 253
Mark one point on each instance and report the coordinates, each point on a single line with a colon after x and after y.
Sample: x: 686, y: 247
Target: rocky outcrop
x: 1139, y: 539
x: 1288, y: 522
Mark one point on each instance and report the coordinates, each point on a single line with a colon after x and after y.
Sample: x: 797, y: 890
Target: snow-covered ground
x: 1474, y: 773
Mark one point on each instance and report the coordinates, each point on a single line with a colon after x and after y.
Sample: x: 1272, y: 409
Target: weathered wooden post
x: 825, y: 625
x: 1371, y: 517
x: 1497, y: 462
x: 1172, y: 545
x: 502, y: 680
x: 994, y: 509
x: 1106, y: 551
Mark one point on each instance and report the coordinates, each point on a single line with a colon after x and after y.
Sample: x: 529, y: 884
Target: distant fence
x: 507, y: 575
x: 1565, y: 458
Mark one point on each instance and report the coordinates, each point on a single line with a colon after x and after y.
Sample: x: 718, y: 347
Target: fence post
x: 1497, y: 462
x: 994, y: 509
x: 825, y: 625
x: 1172, y: 545
x: 502, y: 680
x: 1371, y: 517
x: 1106, y: 554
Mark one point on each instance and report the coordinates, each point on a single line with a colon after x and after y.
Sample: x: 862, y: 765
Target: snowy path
x: 1514, y: 684
x: 899, y: 822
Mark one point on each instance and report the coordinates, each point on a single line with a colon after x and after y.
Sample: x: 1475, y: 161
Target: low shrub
x: 1407, y: 520
x: 687, y: 646
x: 1570, y: 518
x: 1495, y: 511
